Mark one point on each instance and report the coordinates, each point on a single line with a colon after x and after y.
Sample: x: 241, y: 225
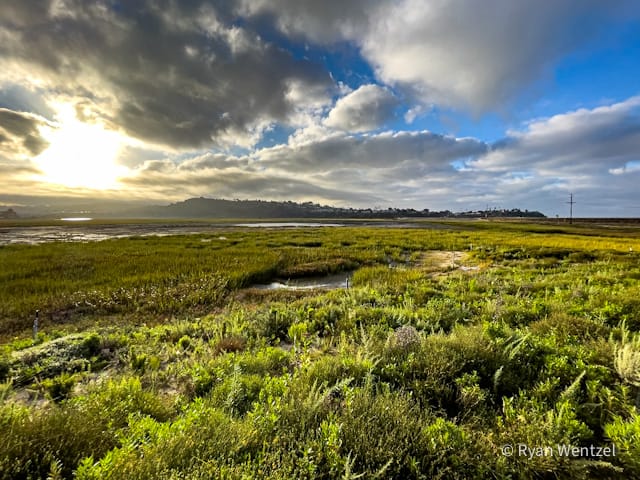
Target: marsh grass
x: 155, y: 361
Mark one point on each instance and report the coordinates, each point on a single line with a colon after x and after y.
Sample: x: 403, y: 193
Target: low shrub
x: 625, y: 435
x: 72, y: 430
x: 59, y: 388
x: 229, y: 344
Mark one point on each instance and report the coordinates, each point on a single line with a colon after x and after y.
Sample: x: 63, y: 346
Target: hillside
x: 219, y: 208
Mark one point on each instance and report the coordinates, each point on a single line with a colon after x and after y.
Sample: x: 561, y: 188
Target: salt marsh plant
x: 627, y: 357
x: 158, y: 360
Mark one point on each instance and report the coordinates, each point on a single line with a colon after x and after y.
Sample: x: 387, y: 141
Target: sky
x: 440, y: 104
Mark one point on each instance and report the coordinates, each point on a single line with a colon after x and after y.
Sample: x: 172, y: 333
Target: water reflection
x: 327, y: 282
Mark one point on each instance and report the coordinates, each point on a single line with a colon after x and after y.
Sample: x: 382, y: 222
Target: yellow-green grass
x: 423, y: 370
x: 168, y: 275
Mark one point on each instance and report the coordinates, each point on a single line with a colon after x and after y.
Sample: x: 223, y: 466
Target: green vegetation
x: 156, y: 360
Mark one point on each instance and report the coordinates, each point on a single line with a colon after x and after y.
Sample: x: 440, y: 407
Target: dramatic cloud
x: 338, y: 168
x: 325, y: 22
x: 474, y: 54
x: 367, y: 108
x: 20, y: 134
x: 173, y: 73
x: 462, y: 53
x: 416, y: 152
x: 215, y: 161
x: 326, y: 101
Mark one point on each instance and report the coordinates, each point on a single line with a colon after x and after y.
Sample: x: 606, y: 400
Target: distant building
x: 10, y: 213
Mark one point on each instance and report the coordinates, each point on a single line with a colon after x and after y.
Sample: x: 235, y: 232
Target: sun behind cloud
x: 80, y: 155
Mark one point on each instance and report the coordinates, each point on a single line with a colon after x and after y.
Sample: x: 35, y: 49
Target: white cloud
x: 367, y: 108
x: 471, y: 54
x: 310, y: 103
x: 629, y: 167
x: 584, y: 141
x: 593, y: 153
x: 188, y: 77
x: 590, y: 152
x: 311, y: 134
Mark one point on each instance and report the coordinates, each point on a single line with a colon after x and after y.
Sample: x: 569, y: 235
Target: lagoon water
x: 92, y: 233
x: 76, y: 230
x: 326, y: 282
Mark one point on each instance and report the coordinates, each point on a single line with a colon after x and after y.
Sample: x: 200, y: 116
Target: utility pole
x: 571, y: 202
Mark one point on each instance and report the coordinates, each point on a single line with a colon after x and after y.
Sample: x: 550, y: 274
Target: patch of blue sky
x: 277, y: 135
x: 458, y: 165
x: 521, y: 175
x: 599, y: 74
x: 342, y: 60
x: 489, y: 127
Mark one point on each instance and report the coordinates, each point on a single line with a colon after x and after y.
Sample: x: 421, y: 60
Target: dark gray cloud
x: 338, y: 168
x: 18, y: 123
x: 173, y: 73
x: 20, y: 134
x: 215, y: 160
x: 324, y: 21
x: 415, y: 151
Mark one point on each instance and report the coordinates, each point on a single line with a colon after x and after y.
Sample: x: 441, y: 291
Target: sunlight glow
x: 80, y: 154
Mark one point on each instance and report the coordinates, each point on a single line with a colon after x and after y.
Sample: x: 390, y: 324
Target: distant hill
x: 218, y: 208
x: 203, y: 208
